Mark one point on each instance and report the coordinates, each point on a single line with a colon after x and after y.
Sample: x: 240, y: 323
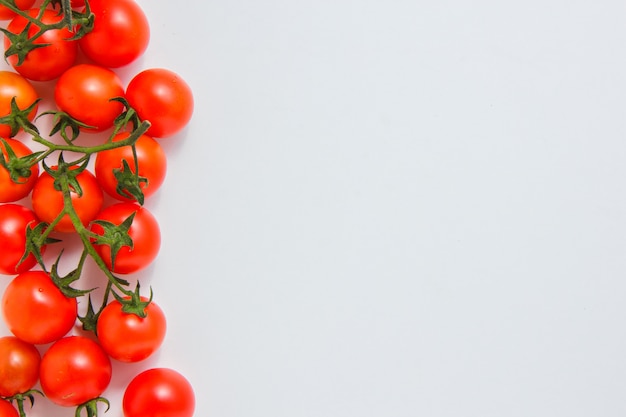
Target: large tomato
x: 151, y: 160
x: 159, y: 392
x: 6, y: 13
x: 14, y: 219
x: 19, y: 366
x: 85, y: 92
x: 163, y: 98
x: 10, y: 190
x: 144, y: 233
x: 13, y: 85
x: 120, y: 34
x: 47, y: 62
x: 128, y: 337
x: 48, y: 202
x: 35, y: 310
x: 7, y: 409
x: 74, y: 370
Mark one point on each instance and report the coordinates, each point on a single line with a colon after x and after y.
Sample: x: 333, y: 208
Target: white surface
x: 395, y: 208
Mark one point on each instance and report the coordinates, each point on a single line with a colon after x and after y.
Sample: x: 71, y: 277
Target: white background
x: 393, y: 208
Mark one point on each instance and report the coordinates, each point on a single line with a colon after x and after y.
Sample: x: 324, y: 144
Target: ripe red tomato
x: 13, y: 221
x: 14, y: 85
x: 6, y: 13
x: 9, y: 190
x: 151, y: 159
x: 35, y: 310
x: 7, y: 409
x: 74, y: 370
x: 128, y: 337
x: 85, y: 92
x: 48, y: 202
x: 19, y: 366
x: 120, y: 33
x: 48, y: 62
x: 163, y: 98
x: 144, y: 232
x: 159, y: 392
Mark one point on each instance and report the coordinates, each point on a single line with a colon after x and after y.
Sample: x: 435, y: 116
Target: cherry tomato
x: 7, y: 409
x: 85, y: 92
x: 14, y: 85
x: 128, y: 337
x: 144, y: 232
x: 159, y: 392
x: 74, y: 370
x: 9, y: 190
x: 48, y: 202
x: 19, y: 366
x: 48, y: 62
x: 163, y: 98
x: 35, y: 310
x: 14, y: 219
x: 151, y: 159
x: 6, y: 13
x: 120, y: 33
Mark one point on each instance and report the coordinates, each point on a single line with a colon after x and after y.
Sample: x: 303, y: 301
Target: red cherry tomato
x: 13, y: 85
x: 74, y: 370
x: 10, y: 190
x: 128, y: 337
x: 14, y: 219
x: 48, y: 62
x: 6, y: 13
x: 48, y: 202
x: 120, y: 33
x: 85, y: 92
x: 144, y: 232
x: 7, y: 409
x: 19, y: 366
x: 159, y: 392
x: 151, y: 160
x: 163, y: 98
x: 35, y: 310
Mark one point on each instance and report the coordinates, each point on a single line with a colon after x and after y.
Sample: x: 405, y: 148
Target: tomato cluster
x: 61, y: 185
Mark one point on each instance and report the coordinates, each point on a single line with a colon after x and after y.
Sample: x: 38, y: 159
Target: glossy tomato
x: 14, y: 220
x: 85, y: 92
x: 6, y: 13
x: 35, y: 310
x: 48, y: 202
x: 13, y: 85
x: 159, y: 392
x: 144, y: 233
x: 163, y: 98
x: 19, y: 366
x: 47, y: 62
x: 7, y: 409
x: 128, y: 337
x: 10, y: 190
x: 120, y: 34
x: 151, y: 160
x: 74, y: 370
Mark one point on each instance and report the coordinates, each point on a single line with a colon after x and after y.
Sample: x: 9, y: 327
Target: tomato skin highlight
x: 19, y: 366
x: 127, y: 337
x: 11, y: 191
x: 159, y: 392
x: 144, y: 232
x: 35, y: 310
x: 74, y: 370
x: 151, y: 159
x: 15, y: 85
x: 48, y: 62
x: 120, y: 34
x: 85, y: 92
x: 48, y: 202
x: 14, y: 219
x: 163, y: 98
